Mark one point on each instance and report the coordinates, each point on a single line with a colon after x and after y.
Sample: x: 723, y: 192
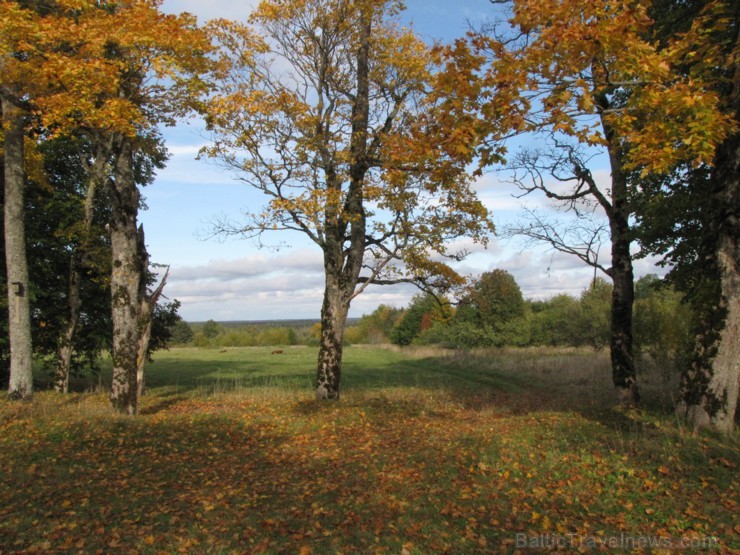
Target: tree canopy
x: 326, y: 112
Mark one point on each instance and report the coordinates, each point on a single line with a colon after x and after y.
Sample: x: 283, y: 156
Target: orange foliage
x: 572, y: 57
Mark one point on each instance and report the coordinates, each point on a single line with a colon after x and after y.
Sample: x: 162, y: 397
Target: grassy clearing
x: 426, y: 453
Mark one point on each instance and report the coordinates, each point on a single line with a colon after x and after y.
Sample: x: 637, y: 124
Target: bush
x: 459, y: 335
x: 201, y: 341
x: 210, y: 329
x: 662, y: 326
x: 182, y: 333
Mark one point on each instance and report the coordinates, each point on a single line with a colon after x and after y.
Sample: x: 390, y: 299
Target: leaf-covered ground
x: 488, y: 467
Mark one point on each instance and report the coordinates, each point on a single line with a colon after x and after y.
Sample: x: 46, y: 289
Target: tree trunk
x: 342, y: 267
x: 19, y: 314
x: 146, y: 310
x: 333, y: 320
x: 624, y: 376
x: 142, y: 351
x: 66, y: 338
x: 710, y: 386
x: 622, y: 358
x: 710, y: 390
x: 126, y: 277
x: 74, y: 300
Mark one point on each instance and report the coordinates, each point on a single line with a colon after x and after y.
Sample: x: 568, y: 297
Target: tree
x: 688, y: 212
x: 582, y: 70
x: 326, y: 113
x: 663, y: 324
x: 493, y: 300
x: 182, y: 333
x: 565, y: 165
x: 94, y: 162
x: 376, y: 327
x: 55, y: 202
x: 67, y: 286
x: 596, y: 315
x: 210, y: 329
x: 17, y: 26
x: 19, y: 315
x: 556, y: 321
x: 112, y: 72
x: 153, y: 63
x: 423, y: 312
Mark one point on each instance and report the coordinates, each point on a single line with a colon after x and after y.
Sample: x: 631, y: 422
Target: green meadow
x: 428, y: 451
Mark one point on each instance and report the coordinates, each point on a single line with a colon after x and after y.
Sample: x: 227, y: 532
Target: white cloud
x: 301, y: 262
x: 190, y: 151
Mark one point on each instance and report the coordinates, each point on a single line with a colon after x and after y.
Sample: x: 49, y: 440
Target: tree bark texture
x: 343, y: 263
x: 622, y: 359
x: 333, y: 321
x: 19, y: 313
x: 126, y: 278
x: 145, y: 314
x: 624, y: 376
x: 710, y: 384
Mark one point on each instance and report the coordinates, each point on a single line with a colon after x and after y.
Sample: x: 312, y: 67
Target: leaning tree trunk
x: 19, y: 314
x: 147, y: 302
x: 74, y: 299
x: 126, y: 277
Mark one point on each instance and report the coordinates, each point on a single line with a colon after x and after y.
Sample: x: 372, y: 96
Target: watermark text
x: 622, y: 541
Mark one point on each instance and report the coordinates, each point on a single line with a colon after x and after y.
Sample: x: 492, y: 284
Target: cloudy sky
x: 235, y: 280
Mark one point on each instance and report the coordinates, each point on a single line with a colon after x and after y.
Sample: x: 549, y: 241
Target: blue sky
x: 235, y: 280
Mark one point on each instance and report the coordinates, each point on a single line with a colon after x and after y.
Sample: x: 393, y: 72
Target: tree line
x: 494, y: 314
x: 362, y: 137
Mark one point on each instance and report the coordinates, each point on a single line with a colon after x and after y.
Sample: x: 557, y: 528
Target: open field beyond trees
x: 426, y: 452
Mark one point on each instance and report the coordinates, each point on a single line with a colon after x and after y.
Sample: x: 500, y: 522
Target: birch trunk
x: 19, y: 314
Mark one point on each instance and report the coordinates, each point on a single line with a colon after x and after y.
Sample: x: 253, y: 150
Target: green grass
x: 427, y: 452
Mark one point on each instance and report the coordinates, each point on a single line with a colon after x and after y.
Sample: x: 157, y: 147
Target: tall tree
x: 94, y: 164
x: 113, y: 72
x: 19, y: 314
x: 69, y: 260
x: 158, y: 64
x: 584, y: 70
x: 326, y: 113
x: 689, y: 215
x: 565, y: 166
x: 17, y: 28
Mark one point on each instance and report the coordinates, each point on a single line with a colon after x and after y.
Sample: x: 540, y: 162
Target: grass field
x: 427, y: 452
